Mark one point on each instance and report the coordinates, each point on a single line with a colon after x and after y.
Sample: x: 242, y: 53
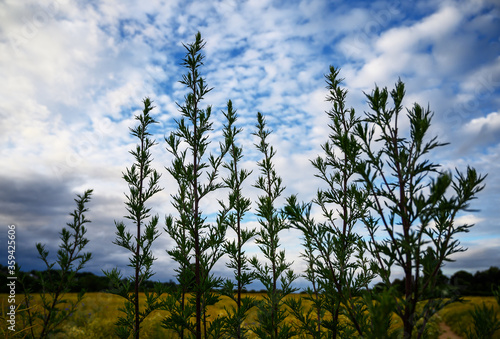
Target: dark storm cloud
x: 478, y: 259
x: 32, y: 198
x: 39, y: 207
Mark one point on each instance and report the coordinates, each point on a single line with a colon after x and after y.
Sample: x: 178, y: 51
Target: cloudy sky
x: 74, y: 74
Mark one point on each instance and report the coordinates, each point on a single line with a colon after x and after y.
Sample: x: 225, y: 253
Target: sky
x: 74, y: 74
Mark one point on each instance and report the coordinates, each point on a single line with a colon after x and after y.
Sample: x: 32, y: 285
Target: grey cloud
x: 32, y: 197
x: 475, y: 260
x: 38, y: 206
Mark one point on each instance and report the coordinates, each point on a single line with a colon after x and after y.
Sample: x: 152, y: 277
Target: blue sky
x: 75, y: 73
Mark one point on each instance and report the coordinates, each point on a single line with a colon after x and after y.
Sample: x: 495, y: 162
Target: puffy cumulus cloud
x: 481, y: 85
x: 70, y: 64
x: 485, y: 130
x: 431, y: 29
x: 56, y: 66
x: 468, y: 219
x: 437, y: 51
x: 74, y: 75
x: 404, y: 50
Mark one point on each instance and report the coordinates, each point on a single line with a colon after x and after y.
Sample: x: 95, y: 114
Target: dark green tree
x: 414, y: 203
x: 195, y: 239
x: 46, y: 319
x: 334, y: 251
x: 274, y: 273
x: 142, y: 181
x: 236, y: 209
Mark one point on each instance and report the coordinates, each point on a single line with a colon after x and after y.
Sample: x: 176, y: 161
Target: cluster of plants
x: 383, y: 207
x: 485, y: 321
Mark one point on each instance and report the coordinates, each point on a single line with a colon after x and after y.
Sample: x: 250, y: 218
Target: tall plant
x: 274, y: 273
x: 142, y: 181
x: 334, y: 252
x: 236, y: 209
x: 199, y: 245
x: 46, y: 319
x: 417, y: 212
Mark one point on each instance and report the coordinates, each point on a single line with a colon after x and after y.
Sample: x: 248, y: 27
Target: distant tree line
x: 83, y: 281
x: 479, y: 283
x: 463, y: 282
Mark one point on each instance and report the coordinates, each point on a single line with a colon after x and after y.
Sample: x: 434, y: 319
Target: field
x: 99, y: 311
x: 457, y: 316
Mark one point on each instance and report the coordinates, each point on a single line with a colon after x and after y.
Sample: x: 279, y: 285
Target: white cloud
x: 491, y: 122
x: 403, y: 50
x: 431, y: 29
x: 73, y: 76
x: 469, y: 219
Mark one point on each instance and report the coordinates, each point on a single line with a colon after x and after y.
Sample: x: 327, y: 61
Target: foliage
x: 46, y: 317
x: 236, y: 209
x: 496, y: 293
x: 143, y: 181
x: 479, y: 283
x: 334, y: 252
x: 459, y: 316
x: 87, y: 281
x: 415, y: 211
x: 195, y: 238
x: 485, y: 321
x: 375, y: 174
x: 394, y: 194
x: 276, y: 269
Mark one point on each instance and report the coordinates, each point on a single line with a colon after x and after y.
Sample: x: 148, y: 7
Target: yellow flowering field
x: 98, y: 312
